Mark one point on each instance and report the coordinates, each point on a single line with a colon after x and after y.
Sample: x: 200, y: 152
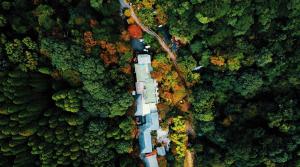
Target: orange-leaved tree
x: 217, y: 60
x: 135, y: 31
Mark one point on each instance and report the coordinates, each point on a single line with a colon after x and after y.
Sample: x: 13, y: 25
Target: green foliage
x: 94, y: 142
x: 91, y: 69
x: 147, y: 17
x: 204, y: 106
x: 265, y: 57
x: 105, y: 8
x: 187, y: 65
x: 52, y: 94
x: 120, y: 106
x: 124, y: 147
x: 2, y: 21
x: 179, y: 137
x: 97, y: 4
x: 245, y: 113
x: 22, y: 106
x: 248, y: 85
x: 68, y: 100
x: 23, y: 53
x: 62, y: 107
x: 63, y: 56
x: 44, y: 13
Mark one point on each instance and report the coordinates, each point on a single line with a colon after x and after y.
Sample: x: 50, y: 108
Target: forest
x: 66, y: 82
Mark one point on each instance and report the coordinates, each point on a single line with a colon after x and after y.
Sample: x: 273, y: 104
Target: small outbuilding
x: 161, y: 151
x: 137, y: 45
x: 151, y: 160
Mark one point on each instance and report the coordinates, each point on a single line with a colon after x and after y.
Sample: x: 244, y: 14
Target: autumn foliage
x: 148, y: 3
x: 108, y: 55
x: 161, y: 16
x: 126, y: 69
x: 171, y: 90
x: 135, y: 31
x: 125, y: 36
x: 217, y: 60
x: 110, y: 51
x: 93, y: 22
x: 88, y: 41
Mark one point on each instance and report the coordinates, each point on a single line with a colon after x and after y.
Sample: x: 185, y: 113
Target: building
x: 151, y: 160
x: 161, y: 151
x: 147, y: 117
x: 146, y: 87
x: 151, y: 91
x: 154, y: 121
x: 145, y: 141
x: 137, y: 45
x: 142, y: 108
x: 162, y: 137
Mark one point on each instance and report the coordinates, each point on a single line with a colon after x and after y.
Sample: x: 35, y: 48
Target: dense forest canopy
x: 66, y: 80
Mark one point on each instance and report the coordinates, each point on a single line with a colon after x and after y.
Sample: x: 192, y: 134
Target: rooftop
x: 151, y: 91
x: 151, y: 161
x: 154, y: 121
x: 144, y: 59
x: 145, y: 141
x: 142, y: 108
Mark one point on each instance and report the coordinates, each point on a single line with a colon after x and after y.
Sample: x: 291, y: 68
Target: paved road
x: 163, y: 44
x: 124, y: 4
x: 149, y: 31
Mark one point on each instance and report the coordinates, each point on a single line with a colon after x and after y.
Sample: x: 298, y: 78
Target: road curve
x: 149, y: 31
x: 163, y: 44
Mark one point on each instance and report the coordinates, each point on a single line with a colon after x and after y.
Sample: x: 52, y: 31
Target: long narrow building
x: 146, y: 111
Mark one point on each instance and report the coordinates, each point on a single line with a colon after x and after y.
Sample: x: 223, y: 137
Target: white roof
x: 145, y: 141
x: 162, y: 134
x: 142, y: 72
x: 139, y: 87
x: 144, y: 59
x: 151, y: 91
x: 151, y: 161
x: 161, y: 151
x: 154, y: 121
x: 142, y: 108
x: 153, y: 107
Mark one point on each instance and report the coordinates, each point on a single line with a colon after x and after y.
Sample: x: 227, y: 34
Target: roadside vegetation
x: 66, y: 79
x: 244, y: 104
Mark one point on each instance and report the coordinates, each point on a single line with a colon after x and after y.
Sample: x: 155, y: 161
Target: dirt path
x: 189, y: 159
x: 163, y: 44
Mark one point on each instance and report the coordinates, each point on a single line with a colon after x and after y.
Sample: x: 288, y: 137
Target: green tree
x: 68, y: 100
x: 72, y: 54
x: 248, y: 84
x: 44, y: 13
x: 23, y: 53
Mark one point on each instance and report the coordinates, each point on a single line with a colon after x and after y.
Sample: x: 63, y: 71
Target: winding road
x: 152, y: 33
x: 172, y: 56
x: 163, y: 44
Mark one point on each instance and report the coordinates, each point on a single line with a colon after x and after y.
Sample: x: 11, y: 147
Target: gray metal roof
x: 141, y: 107
x: 161, y: 151
x: 145, y: 141
x: 154, y: 121
x: 142, y: 72
x: 144, y: 59
x: 137, y: 44
x: 151, y: 161
x: 151, y: 94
